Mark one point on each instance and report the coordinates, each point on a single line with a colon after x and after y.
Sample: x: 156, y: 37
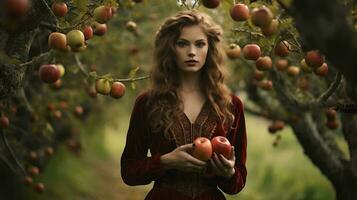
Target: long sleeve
x: 136, y: 167
x: 238, y: 138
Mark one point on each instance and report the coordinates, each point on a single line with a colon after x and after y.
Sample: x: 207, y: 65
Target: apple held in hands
x: 221, y: 145
x: 203, y: 149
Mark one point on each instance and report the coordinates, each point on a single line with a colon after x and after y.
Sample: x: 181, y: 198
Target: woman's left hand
x: 222, y: 166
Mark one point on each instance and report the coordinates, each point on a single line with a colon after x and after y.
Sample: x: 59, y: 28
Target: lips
x: 191, y: 61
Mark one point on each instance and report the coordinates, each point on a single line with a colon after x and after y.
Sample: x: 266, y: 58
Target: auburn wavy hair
x: 164, y: 102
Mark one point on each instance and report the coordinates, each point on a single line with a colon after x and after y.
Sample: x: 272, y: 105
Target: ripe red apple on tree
x: 49, y: 151
x: 57, y: 41
x: 102, y: 86
x: 239, y: 12
x: 266, y: 84
x: 258, y: 75
x: 322, y: 70
x: 251, y: 52
x: 117, y: 90
x: 221, y: 145
x: 78, y: 111
x: 16, y: 8
x: 75, y: 39
x: 211, y: 3
x: 314, y: 59
x: 304, y: 67
x: 61, y: 69
x: 233, y: 51
x: 293, y: 71
x: 271, y: 29
x: 99, y: 29
x: 281, y: 64
x: 88, y: 32
x: 59, y: 9
x: 203, y: 149
x: 28, y: 180
x: 102, y: 14
x: 49, y: 73
x: 282, y: 49
x: 39, y: 187
x: 264, y: 63
x: 262, y: 16
x: 331, y: 114
x: 4, y: 122
x: 34, y: 171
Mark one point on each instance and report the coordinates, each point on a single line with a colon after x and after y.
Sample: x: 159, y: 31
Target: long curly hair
x: 164, y: 102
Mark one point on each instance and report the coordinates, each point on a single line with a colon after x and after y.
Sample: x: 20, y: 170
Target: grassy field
x: 281, y: 172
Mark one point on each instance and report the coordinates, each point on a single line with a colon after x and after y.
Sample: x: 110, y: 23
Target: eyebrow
x: 199, y: 40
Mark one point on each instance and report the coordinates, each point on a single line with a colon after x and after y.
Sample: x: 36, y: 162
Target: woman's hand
x: 181, y: 159
x: 222, y: 166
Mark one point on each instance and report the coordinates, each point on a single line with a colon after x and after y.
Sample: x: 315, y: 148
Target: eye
x: 200, y: 44
x: 181, y: 43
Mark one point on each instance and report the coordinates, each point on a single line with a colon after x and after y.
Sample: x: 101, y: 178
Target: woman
x: 188, y: 99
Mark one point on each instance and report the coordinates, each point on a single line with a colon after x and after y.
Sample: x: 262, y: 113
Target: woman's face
x: 191, y: 49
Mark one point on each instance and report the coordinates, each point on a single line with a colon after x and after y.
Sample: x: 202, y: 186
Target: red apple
x: 102, y: 14
x: 32, y: 156
x: 281, y: 64
x: 102, y: 86
x: 305, y: 68
x: 34, y: 171
x: 88, y: 32
x: 221, y: 145
x: 211, y: 3
x: 262, y: 16
x: 49, y: 73
x: 49, y: 151
x: 314, y: 59
x: 61, y: 69
x: 78, y: 111
x: 57, y: 41
x: 279, y: 125
x: 28, y: 180
x: 4, y: 122
x: 239, y: 12
x: 271, y: 29
x: 264, y: 63
x: 258, y: 75
x: 59, y: 9
x: 234, y: 51
x: 63, y: 105
x: 332, y: 124
x: 203, y: 149
x: 39, y: 187
x: 17, y: 8
x: 75, y: 39
x: 117, y: 90
x: 266, y: 84
x: 251, y: 52
x: 331, y: 114
x: 322, y: 70
x: 302, y: 83
x: 57, y: 114
x: 293, y: 71
x: 99, y: 29
x: 282, y: 49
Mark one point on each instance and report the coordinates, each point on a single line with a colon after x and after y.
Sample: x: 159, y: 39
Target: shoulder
x: 143, y: 97
x: 236, y: 101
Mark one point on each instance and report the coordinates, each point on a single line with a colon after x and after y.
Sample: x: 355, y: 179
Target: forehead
x: 192, y: 33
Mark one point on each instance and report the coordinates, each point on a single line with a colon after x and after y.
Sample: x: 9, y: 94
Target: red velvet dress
x: 139, y: 169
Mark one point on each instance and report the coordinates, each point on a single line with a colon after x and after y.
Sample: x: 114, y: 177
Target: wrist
x: 164, y: 161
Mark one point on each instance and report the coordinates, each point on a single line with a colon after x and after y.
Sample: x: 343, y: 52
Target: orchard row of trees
x: 294, y: 59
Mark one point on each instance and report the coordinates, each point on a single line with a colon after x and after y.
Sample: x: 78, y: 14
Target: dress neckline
x: 198, y: 116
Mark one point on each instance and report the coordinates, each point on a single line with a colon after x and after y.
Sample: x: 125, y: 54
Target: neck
x: 190, y: 82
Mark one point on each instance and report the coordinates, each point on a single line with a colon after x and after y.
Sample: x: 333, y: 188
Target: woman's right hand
x: 181, y: 159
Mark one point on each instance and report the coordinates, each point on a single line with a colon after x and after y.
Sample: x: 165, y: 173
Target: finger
x: 186, y: 147
x: 192, y: 167
x: 214, y: 166
x: 195, y: 161
x: 232, y: 154
x: 225, y: 162
x: 217, y: 162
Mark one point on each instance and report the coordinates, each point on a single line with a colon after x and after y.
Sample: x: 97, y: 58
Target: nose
x: 191, y: 51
